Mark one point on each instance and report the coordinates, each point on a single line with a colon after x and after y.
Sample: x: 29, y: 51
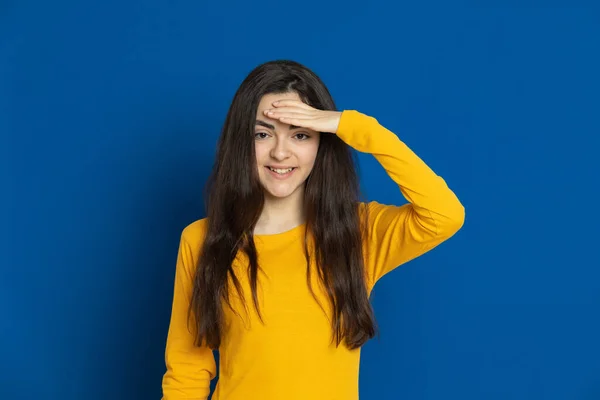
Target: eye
x: 261, y: 135
x: 302, y: 136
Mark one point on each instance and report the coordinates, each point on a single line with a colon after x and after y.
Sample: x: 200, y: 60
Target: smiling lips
x: 281, y: 173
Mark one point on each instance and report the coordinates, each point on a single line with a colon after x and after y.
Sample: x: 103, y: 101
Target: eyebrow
x: 271, y: 127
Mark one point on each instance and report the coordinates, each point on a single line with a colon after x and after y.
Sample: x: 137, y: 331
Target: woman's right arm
x: 189, y: 368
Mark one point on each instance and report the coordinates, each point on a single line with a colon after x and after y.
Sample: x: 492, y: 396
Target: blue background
x: 109, y: 114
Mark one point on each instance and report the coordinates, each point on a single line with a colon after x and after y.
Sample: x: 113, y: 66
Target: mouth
x: 281, y: 172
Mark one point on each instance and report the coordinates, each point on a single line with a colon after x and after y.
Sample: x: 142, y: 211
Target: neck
x: 281, y: 214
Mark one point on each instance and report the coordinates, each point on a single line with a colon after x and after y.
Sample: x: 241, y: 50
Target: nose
x: 280, y: 150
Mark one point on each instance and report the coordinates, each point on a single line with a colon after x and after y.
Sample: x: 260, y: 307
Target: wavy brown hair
x: 235, y: 198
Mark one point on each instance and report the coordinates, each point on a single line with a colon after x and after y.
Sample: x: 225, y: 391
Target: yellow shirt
x: 291, y: 356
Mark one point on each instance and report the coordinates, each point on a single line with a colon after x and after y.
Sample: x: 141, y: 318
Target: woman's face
x: 284, y: 156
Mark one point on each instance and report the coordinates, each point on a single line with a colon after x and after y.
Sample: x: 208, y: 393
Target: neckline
x: 269, y: 239
x: 281, y: 234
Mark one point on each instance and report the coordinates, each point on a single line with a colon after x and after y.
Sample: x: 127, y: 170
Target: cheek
x: 316, y: 146
x: 310, y: 154
x: 259, y: 151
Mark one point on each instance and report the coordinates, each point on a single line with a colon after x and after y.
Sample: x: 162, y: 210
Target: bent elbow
x: 453, y: 222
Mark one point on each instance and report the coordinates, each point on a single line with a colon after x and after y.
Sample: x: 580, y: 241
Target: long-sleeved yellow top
x: 292, y: 355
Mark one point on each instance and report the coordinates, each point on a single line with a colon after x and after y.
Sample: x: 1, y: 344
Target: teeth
x: 281, y: 171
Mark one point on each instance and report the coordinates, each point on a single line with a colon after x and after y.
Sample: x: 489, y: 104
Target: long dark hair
x: 235, y: 199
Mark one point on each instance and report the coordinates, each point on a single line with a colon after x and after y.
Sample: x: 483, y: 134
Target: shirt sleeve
x: 189, y: 368
x: 400, y: 233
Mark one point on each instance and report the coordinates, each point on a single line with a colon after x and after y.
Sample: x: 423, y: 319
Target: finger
x: 291, y: 102
x: 300, y: 122
x: 288, y: 109
x: 295, y: 117
x: 288, y: 114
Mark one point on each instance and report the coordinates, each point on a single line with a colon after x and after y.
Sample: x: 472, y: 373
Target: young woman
x: 285, y: 228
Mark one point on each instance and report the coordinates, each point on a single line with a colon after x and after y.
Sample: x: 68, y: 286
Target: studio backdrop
x: 109, y: 116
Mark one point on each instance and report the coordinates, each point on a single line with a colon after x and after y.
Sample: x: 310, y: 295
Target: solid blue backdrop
x: 110, y: 112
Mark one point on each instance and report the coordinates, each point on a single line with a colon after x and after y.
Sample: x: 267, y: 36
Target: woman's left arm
x: 398, y: 234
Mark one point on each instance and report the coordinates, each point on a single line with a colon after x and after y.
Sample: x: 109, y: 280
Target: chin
x: 279, y: 194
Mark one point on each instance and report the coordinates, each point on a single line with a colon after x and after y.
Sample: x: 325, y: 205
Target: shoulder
x: 193, y: 234
x: 365, y: 212
x: 191, y: 241
x: 375, y: 216
x: 367, y: 209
